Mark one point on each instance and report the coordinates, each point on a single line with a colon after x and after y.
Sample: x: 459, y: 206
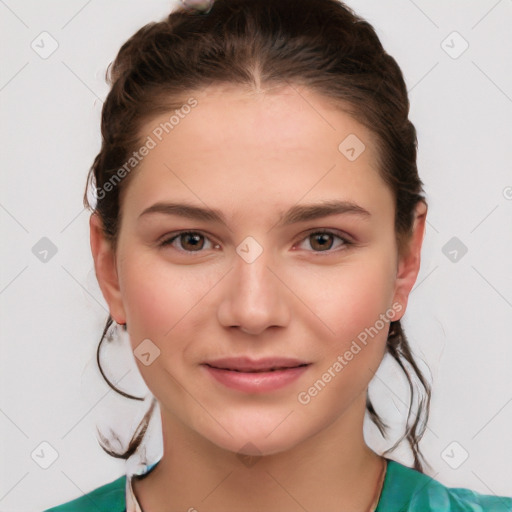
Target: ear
x: 106, y: 269
x: 409, y: 261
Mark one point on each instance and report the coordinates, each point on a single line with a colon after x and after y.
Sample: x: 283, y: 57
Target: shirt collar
x: 132, y: 505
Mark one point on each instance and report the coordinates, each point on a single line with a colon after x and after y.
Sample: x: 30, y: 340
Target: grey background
x: 53, y: 312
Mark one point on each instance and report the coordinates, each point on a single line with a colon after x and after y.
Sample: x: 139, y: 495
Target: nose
x: 253, y: 299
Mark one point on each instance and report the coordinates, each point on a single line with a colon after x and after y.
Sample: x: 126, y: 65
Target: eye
x: 190, y: 241
x: 194, y: 241
x: 322, y: 240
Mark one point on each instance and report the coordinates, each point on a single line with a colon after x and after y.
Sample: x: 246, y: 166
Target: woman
x: 257, y: 231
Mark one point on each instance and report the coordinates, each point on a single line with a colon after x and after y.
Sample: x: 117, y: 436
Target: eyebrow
x: 296, y: 214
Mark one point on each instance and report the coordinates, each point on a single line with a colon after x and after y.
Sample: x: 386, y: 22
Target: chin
x: 251, y: 440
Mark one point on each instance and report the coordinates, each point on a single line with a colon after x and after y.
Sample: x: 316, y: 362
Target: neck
x: 333, y: 470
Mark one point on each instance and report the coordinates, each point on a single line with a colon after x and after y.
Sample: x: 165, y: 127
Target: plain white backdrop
x: 456, y: 60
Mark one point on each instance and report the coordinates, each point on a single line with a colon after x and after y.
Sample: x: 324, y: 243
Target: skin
x: 253, y: 154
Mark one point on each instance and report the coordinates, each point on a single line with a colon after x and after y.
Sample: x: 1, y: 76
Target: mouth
x: 262, y: 370
x: 255, y: 376
x: 247, y: 365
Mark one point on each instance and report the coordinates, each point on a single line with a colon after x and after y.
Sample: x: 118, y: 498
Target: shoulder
x: 107, y: 498
x: 408, y: 490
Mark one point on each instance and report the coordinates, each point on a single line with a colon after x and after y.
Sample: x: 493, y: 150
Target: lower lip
x: 259, y: 382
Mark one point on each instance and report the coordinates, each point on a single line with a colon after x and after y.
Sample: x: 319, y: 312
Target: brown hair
x: 319, y: 44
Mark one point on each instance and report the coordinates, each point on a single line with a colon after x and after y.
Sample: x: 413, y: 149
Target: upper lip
x: 246, y: 364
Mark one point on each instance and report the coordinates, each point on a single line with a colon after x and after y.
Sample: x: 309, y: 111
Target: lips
x: 247, y: 375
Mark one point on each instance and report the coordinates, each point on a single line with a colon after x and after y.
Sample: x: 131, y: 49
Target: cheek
x: 160, y: 300
x: 348, y: 299
x: 354, y: 300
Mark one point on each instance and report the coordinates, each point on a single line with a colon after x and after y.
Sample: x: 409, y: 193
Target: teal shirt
x: 404, y: 490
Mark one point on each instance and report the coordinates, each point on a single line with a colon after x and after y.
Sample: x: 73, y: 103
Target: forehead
x: 277, y: 118
x: 281, y: 144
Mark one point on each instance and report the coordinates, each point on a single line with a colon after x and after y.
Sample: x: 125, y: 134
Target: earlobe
x: 409, y: 261
x: 106, y: 270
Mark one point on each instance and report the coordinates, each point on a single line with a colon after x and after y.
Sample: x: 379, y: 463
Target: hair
x: 319, y: 44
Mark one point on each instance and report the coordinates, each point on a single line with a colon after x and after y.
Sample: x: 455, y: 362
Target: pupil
x: 193, y: 240
x: 323, y: 238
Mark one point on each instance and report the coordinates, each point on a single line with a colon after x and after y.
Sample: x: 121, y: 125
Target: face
x: 273, y: 278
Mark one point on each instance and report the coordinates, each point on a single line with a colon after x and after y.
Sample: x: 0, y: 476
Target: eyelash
x: 346, y: 242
